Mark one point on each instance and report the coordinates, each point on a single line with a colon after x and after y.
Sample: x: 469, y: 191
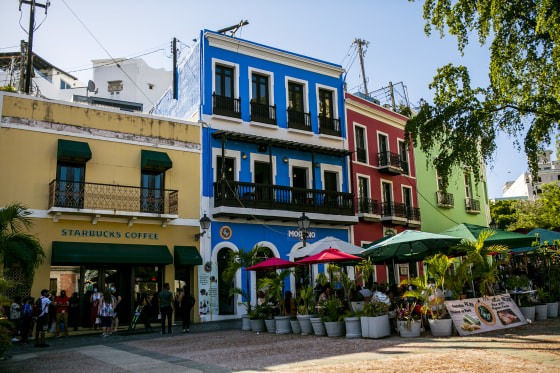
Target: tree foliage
x: 523, y: 95
x: 543, y: 212
x: 504, y: 212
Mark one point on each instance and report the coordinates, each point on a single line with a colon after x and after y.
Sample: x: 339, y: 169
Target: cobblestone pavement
x: 531, y: 348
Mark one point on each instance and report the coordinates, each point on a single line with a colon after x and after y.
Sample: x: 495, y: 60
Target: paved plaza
x: 210, y: 348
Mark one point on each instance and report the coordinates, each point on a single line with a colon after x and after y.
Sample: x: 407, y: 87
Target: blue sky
x: 398, y: 51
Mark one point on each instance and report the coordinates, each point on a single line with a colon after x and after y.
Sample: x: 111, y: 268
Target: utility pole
x: 174, y: 51
x: 23, y: 47
x: 392, y: 96
x: 29, y: 69
x: 362, y: 47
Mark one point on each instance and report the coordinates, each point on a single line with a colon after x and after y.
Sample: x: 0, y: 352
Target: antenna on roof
x: 233, y: 28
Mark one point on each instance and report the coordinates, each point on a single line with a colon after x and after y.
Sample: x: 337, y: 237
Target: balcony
x: 106, y: 199
x: 472, y: 205
x: 234, y: 198
x: 413, y: 216
x: 226, y: 106
x: 299, y: 120
x: 391, y: 163
x: 394, y: 213
x: 329, y: 126
x: 263, y: 113
x: 445, y: 200
x: 368, y: 210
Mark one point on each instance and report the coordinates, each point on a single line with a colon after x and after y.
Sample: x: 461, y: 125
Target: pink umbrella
x: 272, y: 264
x: 329, y: 256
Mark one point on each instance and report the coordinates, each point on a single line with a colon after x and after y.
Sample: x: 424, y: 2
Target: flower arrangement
x: 375, y: 308
x: 405, y: 313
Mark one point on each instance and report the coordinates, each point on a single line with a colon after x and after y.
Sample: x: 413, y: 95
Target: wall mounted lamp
x: 285, y: 159
x: 204, y: 225
x: 243, y: 155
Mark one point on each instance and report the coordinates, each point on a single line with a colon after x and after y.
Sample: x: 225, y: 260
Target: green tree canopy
x: 504, y: 212
x: 540, y: 213
x: 523, y: 95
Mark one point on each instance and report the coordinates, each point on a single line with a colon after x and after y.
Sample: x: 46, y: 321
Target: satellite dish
x: 91, y: 86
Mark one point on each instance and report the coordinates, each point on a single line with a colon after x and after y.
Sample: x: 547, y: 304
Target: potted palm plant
x: 332, y: 317
x: 351, y: 321
x: 275, y: 292
x: 257, y: 315
x: 374, y: 319
x: 236, y: 260
x: 306, y: 310
x: 440, y: 323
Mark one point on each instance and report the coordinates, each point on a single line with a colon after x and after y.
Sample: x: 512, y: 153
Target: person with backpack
x: 42, y: 315
x: 105, y: 311
x: 186, y: 303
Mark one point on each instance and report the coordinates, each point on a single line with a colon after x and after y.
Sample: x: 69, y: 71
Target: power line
x: 113, y: 62
x: 109, y: 54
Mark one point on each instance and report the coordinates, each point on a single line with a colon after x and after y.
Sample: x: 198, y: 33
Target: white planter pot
x: 353, y: 327
x: 541, y: 312
x: 334, y: 328
x: 305, y: 324
x: 245, y: 322
x: 552, y: 310
x: 283, y: 325
x: 528, y: 312
x: 257, y: 325
x: 270, y: 325
x: 318, y: 327
x: 412, y: 330
x: 441, y: 327
x: 375, y: 327
x: 296, y: 329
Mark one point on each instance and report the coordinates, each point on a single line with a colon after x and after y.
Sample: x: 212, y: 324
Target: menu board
x: 479, y: 315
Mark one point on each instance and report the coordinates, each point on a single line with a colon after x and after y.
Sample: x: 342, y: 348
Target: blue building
x: 274, y: 147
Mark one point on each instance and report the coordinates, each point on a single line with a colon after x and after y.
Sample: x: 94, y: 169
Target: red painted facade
x: 379, y: 126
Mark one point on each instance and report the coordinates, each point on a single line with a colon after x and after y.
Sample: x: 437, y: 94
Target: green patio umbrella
x: 501, y: 237
x: 408, y: 246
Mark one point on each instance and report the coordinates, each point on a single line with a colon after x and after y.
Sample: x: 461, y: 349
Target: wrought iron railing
x: 329, y: 126
x: 263, y: 113
x: 299, y: 120
x: 368, y: 206
x: 227, y: 106
x: 83, y: 195
x: 445, y: 199
x: 413, y: 213
x: 277, y: 197
x: 394, y: 209
x: 472, y: 205
x: 390, y: 159
x: 361, y: 155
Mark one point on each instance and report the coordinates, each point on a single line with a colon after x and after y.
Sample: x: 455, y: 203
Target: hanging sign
x: 479, y: 315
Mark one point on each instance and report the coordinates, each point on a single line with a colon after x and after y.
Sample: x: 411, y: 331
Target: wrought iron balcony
x: 413, y: 216
x: 299, y: 120
x: 227, y: 106
x: 392, y: 163
x: 263, y: 113
x: 395, y: 213
x: 445, y: 199
x: 329, y: 126
x: 368, y: 206
x: 277, y: 197
x: 472, y: 205
x: 81, y: 195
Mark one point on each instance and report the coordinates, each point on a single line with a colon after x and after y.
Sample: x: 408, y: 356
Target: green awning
x: 75, y: 253
x: 187, y: 255
x: 76, y: 151
x: 155, y: 161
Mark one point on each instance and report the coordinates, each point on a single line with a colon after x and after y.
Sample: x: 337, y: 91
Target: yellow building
x: 115, y: 196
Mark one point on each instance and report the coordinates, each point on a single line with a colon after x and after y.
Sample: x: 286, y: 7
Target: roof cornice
x: 375, y: 113
x: 271, y: 54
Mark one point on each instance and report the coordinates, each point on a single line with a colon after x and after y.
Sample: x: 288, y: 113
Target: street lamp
x: 303, y: 225
x: 493, y: 224
x: 204, y: 225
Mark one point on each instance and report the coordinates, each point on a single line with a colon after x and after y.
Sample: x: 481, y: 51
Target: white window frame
x: 358, y: 176
x: 303, y: 164
x: 381, y: 182
x: 335, y: 98
x: 469, y: 186
x: 365, y: 142
x: 399, y: 142
x: 332, y: 168
x: 379, y: 142
x: 403, y: 187
x: 263, y: 158
x: 305, y: 84
x: 270, y: 76
x: 234, y: 66
x: 217, y: 152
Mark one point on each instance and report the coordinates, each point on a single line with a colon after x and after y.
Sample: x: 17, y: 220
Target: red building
x: 384, y: 177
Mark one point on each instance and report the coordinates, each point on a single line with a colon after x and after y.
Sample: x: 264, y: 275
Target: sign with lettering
x: 296, y: 233
x: 479, y: 315
x: 109, y: 234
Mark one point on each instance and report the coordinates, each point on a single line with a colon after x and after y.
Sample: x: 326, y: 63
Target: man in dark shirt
x: 166, y: 307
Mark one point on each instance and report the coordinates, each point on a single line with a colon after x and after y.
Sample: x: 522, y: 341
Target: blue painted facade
x: 252, y: 212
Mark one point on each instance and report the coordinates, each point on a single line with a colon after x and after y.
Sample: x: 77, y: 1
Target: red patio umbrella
x: 329, y: 256
x: 272, y: 264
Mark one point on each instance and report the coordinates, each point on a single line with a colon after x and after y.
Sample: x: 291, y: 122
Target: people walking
x: 118, y: 299
x: 94, y: 299
x: 106, y: 310
x: 186, y: 303
x: 166, y: 308
x: 42, y: 318
x: 62, y: 302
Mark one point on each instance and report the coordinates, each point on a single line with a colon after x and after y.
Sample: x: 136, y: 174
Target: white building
x: 130, y: 80
x: 523, y: 187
